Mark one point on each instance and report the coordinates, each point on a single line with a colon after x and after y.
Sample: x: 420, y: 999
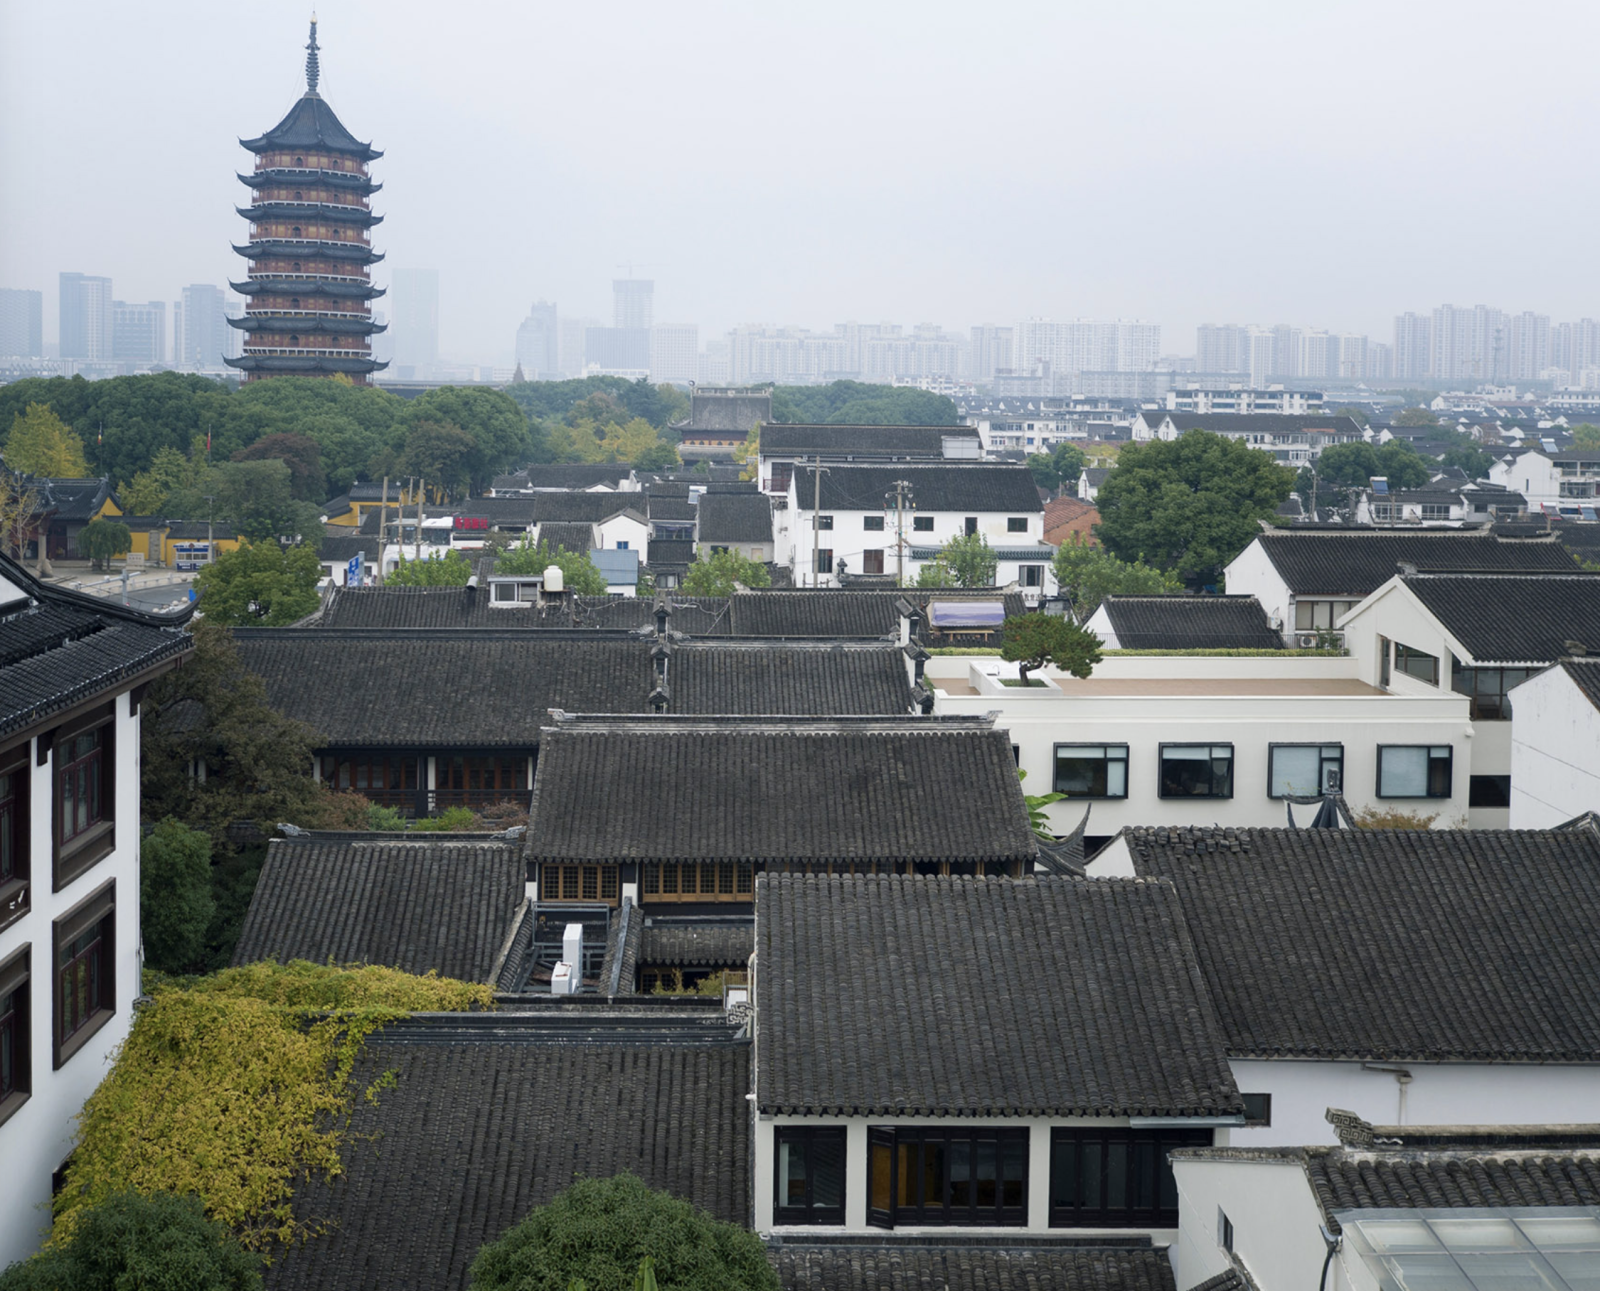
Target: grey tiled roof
x: 803, y: 680
x: 734, y: 517
x: 1086, y: 989
x: 567, y: 536
x: 413, y: 905
x: 566, y: 475
x: 884, y: 789
x: 489, y: 1117
x: 976, y: 487
x: 1510, y: 619
x: 685, y: 943
x: 1191, y: 623
x: 1586, y: 677
x: 970, y: 1264
x: 1273, y: 423
x: 1354, y: 563
x: 339, y: 549
x: 1472, y: 945
x: 669, y: 553
x: 790, y: 439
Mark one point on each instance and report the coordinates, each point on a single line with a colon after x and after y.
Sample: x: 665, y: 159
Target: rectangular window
x: 1489, y: 791
x: 824, y: 560
x: 1414, y: 663
x: 970, y: 525
x: 922, y: 524
x: 14, y: 887
x: 1224, y: 1231
x: 1092, y: 770
x: 85, y: 979
x: 1017, y: 524
x: 967, y: 1177
x: 824, y: 522
x: 1304, y: 770
x: 84, y: 759
x: 16, y: 1074
x: 809, y: 1183
x: 82, y: 779
x: 1116, y: 1177
x: 1197, y: 770
x: 721, y: 881
x: 1257, y: 1109
x: 1488, y: 688
x: 782, y: 473
x: 589, y: 883
x: 873, y: 524
x: 1414, y: 770
x: 1032, y: 575
x: 1384, y: 656
x: 622, y: 546
x: 872, y: 562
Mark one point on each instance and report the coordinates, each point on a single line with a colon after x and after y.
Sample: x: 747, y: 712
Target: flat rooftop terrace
x: 1132, y: 687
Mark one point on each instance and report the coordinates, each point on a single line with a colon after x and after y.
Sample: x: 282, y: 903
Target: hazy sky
x: 1324, y: 164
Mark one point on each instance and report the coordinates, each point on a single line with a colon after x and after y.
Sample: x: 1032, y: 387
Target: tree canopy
x: 130, y: 1241
x: 579, y: 572
x: 450, y: 570
x: 1060, y: 468
x: 1416, y: 417
x: 102, y: 540
x: 40, y: 443
x: 1033, y: 640
x: 715, y: 573
x: 1087, y: 574
x: 1586, y: 435
x: 966, y: 560
x: 855, y: 403
x: 1189, y: 505
x: 600, y: 1230
x: 260, y: 585
x: 175, y: 901
x: 300, y: 454
x: 1352, y: 466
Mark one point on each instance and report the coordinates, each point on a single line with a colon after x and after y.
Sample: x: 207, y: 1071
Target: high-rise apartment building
x: 1259, y: 354
x: 1528, y: 346
x: 990, y: 348
x: 139, y: 333
x: 1574, y: 347
x: 21, y: 323
x: 1413, y: 347
x: 414, y: 295
x: 1380, y: 361
x: 1219, y: 347
x: 1086, y: 346
x: 200, y: 329
x: 633, y: 302
x: 1288, y: 352
x: 675, y: 352
x: 539, y: 343
x: 1469, y: 344
x: 85, y: 317
x: 573, y: 344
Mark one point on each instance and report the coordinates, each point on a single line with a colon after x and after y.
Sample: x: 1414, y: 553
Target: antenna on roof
x: 313, y: 72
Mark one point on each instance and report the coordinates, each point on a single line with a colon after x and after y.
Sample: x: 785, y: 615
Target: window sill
x: 11, y: 1102
x: 15, y: 901
x: 84, y: 852
x: 69, y: 1047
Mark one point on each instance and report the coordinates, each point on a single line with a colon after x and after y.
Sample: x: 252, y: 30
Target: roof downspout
x: 1333, y: 1242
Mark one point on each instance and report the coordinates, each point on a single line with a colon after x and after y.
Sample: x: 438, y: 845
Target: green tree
x: 970, y: 560
x: 135, y: 1242
x: 300, y: 453
x: 1087, y: 574
x: 1470, y: 458
x: 175, y: 901
x: 580, y: 574
x: 1352, y: 466
x: 170, y: 472
x: 1189, y: 505
x: 102, y: 540
x: 629, y: 441
x: 1059, y: 468
x: 440, y: 454
x: 1033, y: 640
x: 601, y: 1229
x: 452, y: 570
x: 257, y: 499
x: 1586, y: 435
x: 261, y: 584
x: 41, y: 444
x: 662, y: 456
x: 715, y: 573
x: 490, y: 419
x: 1357, y: 415
x: 855, y: 403
x: 1416, y: 417
x: 935, y: 573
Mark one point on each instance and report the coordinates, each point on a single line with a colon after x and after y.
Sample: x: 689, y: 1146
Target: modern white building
x: 1555, y: 744
x: 675, y: 353
x: 1294, y: 439
x: 1240, y: 399
x: 1560, y: 483
x: 70, y: 953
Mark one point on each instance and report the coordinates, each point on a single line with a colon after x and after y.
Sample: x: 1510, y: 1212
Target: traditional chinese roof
x: 727, y: 518
x: 311, y: 123
x: 882, y: 1263
x: 1513, y: 619
x: 975, y: 487
x: 1190, y: 623
x: 783, y: 439
x: 1354, y: 563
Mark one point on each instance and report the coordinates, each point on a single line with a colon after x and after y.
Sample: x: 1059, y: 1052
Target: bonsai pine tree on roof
x: 1034, y: 640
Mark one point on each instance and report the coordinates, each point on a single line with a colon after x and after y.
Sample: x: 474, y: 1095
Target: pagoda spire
x: 313, y: 72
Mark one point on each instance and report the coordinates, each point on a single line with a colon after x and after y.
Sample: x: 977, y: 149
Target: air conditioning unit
x: 1306, y: 641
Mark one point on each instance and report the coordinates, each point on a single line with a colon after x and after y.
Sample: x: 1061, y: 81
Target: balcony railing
x: 360, y: 279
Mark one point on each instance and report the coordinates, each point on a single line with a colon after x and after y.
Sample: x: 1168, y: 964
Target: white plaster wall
x: 1275, y: 1222
x: 39, y: 1136
x: 1555, y: 752
x: 1100, y: 624
x: 1252, y: 573
x: 621, y: 529
x: 1437, y: 1094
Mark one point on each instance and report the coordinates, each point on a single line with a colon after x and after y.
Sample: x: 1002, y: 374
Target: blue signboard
x: 352, y: 576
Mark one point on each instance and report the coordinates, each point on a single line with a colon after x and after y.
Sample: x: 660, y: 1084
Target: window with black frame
x: 1488, y: 688
x: 1304, y: 770
x: 15, y: 1068
x: 1197, y: 770
x: 1414, y: 770
x: 1092, y: 770
x: 975, y: 1177
x: 1116, y: 1177
x: 1415, y: 663
x: 808, y: 1186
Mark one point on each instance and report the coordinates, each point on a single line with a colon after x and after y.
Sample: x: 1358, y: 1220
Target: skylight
x: 1553, y: 1248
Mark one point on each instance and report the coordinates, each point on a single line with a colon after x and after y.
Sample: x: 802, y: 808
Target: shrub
x: 452, y: 820
x: 176, y: 904
x: 385, y: 820
x: 601, y: 1229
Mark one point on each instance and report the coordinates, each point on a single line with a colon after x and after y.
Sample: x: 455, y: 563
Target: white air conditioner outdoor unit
x: 1306, y: 641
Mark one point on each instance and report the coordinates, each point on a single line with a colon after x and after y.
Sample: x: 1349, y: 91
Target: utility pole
x: 816, y: 523
x: 211, y: 541
x: 900, y: 487
x: 422, y: 487
x: 400, y: 521
x: 383, y: 527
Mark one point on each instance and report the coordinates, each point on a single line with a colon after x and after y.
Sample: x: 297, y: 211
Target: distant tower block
x: 308, y: 310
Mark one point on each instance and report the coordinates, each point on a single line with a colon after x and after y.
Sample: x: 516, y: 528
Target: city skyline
x: 806, y: 208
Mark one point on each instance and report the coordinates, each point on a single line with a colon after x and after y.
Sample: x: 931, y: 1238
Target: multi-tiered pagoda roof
x: 308, y: 292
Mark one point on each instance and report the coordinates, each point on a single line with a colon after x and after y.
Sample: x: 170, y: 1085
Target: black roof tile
x: 975, y: 487
x: 487, y: 1119
x: 803, y: 680
x: 734, y: 517
x: 1272, y: 423
x: 938, y: 1264
x: 1472, y: 945
x: 1355, y: 563
x: 416, y: 905
x: 1586, y: 677
x: 565, y: 475
x: 1087, y: 987
x: 1190, y: 623
x: 783, y: 789
x: 567, y: 536
x: 686, y: 943
x: 1510, y: 619
x: 670, y: 553
x: 905, y: 442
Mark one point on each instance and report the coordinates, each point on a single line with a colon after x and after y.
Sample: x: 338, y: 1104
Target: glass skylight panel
x: 1478, y: 1249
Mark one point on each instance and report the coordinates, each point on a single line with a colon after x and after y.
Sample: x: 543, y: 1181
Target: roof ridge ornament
x: 313, y: 70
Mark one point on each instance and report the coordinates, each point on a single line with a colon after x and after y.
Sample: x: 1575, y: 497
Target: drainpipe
x: 1402, y: 1077
x: 1333, y: 1243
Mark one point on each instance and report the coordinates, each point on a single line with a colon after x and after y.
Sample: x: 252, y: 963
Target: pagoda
x: 308, y: 310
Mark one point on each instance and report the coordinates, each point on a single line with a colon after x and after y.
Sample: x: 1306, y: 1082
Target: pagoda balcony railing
x: 326, y: 352
x: 251, y: 309
x: 364, y: 243
x: 357, y: 205
x: 361, y: 278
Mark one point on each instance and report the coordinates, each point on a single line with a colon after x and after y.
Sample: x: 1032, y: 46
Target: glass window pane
x: 879, y: 1160
x: 1402, y: 772
x: 1116, y: 1176
x: 1013, y: 1169
x: 960, y: 1174
x: 1117, y: 779
x: 984, y: 1172
x: 827, y: 1168
x: 933, y: 1173
x: 1295, y: 769
x: 910, y: 1160
x: 1089, y: 1175
x: 792, y: 1171
x: 1064, y: 1172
